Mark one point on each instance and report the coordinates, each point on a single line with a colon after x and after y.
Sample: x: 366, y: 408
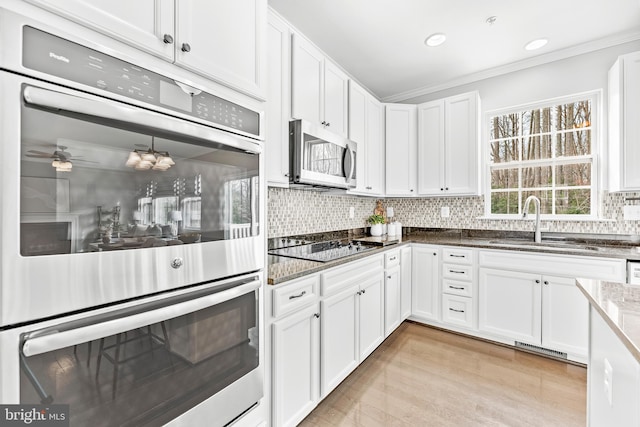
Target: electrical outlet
x: 631, y: 212
x: 352, y: 212
x: 444, y: 212
x: 608, y: 380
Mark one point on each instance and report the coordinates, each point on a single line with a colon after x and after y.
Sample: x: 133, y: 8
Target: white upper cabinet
x: 278, y: 104
x: 366, y: 118
x: 448, y: 146
x: 624, y: 126
x: 217, y: 39
x: 145, y: 24
x: 319, y: 88
x: 224, y: 40
x: 401, y: 147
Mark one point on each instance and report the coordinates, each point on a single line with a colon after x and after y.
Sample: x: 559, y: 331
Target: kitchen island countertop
x: 619, y: 305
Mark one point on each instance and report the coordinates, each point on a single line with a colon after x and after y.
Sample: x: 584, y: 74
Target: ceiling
x: 381, y: 42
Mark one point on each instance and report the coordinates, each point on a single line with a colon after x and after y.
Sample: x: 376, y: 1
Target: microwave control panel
x: 62, y: 58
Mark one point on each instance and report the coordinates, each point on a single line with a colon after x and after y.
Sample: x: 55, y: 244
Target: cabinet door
x: 339, y: 340
x: 357, y: 130
x: 565, y: 316
x: 431, y: 148
x: 405, y: 282
x: 306, y: 80
x: 370, y: 315
x: 425, y: 282
x: 461, y: 148
x: 278, y: 89
x: 336, y: 94
x: 392, y: 300
x: 375, y: 147
x: 225, y: 41
x: 509, y: 305
x: 401, y: 138
x: 144, y: 24
x: 296, y: 366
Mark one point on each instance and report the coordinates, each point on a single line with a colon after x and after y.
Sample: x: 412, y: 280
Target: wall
x: 300, y: 212
x: 304, y: 212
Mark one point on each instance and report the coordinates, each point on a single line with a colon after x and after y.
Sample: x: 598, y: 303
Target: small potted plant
x: 376, y: 222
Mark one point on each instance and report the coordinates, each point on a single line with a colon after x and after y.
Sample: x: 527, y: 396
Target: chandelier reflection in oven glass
x: 150, y: 159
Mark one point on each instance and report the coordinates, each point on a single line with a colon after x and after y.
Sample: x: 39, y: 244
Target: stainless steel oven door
x: 82, y: 227
x: 191, y: 358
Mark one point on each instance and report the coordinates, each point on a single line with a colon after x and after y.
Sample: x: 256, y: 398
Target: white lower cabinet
x: 425, y: 282
x: 405, y: 282
x: 540, y: 310
x: 533, y: 299
x: 509, y: 305
x: 392, y: 300
x: 351, y: 328
x: 296, y: 365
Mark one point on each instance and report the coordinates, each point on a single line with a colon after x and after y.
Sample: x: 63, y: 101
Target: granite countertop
x: 619, y: 306
x: 281, y: 269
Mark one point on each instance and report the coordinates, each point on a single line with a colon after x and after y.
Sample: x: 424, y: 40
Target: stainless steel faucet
x: 536, y: 203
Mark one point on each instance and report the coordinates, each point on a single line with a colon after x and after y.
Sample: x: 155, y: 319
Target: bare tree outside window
x: 543, y: 151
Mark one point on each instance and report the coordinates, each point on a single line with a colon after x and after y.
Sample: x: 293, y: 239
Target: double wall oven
x: 131, y: 257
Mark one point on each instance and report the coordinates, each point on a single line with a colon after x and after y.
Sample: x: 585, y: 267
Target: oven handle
x: 90, y: 106
x: 60, y: 339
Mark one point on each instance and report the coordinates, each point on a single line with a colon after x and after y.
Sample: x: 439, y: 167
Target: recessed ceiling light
x: 435, y: 39
x: 535, y: 44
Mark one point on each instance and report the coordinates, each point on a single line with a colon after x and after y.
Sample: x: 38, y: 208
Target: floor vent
x: 536, y: 349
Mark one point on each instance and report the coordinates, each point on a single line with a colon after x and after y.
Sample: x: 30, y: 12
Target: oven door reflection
x: 148, y: 372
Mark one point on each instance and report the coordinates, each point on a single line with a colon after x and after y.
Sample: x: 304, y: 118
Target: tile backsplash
x: 293, y: 212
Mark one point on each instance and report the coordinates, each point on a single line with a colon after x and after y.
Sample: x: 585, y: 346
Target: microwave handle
x: 88, y: 105
x: 99, y: 329
x: 352, y: 164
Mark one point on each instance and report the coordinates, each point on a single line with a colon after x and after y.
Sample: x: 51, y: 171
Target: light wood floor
x: 422, y: 376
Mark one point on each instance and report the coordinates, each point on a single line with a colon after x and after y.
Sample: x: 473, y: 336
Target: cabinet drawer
x: 455, y: 287
x: 338, y: 278
x: 457, y: 310
x: 291, y: 296
x: 457, y: 272
x: 457, y: 255
x: 391, y: 259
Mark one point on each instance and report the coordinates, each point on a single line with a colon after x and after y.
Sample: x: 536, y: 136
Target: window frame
x: 595, y: 96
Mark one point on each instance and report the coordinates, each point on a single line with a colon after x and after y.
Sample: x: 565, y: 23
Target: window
x: 546, y: 150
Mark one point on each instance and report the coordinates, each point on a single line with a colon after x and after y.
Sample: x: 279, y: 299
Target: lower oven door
x: 192, y: 358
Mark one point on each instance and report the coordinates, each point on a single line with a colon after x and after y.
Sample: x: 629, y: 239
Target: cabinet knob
x: 446, y: 188
x: 328, y: 124
x: 388, y: 277
x: 442, y: 189
x: 434, y: 254
x: 364, y: 290
x: 323, y: 123
x: 546, y: 282
x: 286, y: 174
x: 186, y: 47
x: 537, y: 280
x: 411, y: 190
x: 316, y: 315
x: 167, y: 39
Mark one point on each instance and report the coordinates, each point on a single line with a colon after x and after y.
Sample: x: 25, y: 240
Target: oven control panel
x: 62, y: 58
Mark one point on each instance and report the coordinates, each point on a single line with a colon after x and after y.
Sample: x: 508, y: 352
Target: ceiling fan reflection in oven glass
x: 61, y: 158
x: 149, y: 159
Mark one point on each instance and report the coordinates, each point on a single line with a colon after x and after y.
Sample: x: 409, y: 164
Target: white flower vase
x: 376, y: 229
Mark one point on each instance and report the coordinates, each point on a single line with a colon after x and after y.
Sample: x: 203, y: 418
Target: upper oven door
x: 103, y: 201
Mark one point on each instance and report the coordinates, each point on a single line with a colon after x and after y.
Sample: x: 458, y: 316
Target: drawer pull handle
x: 457, y: 256
x: 456, y: 287
x: 301, y: 294
x: 392, y: 259
x: 456, y: 271
x: 457, y: 311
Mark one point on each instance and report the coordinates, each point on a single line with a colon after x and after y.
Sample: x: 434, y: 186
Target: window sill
x: 547, y: 218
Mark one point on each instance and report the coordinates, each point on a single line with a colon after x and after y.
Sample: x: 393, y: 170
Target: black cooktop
x: 323, y: 251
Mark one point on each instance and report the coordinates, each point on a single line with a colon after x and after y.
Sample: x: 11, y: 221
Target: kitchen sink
x: 548, y: 245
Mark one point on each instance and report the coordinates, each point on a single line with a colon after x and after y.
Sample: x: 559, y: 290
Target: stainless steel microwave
x: 320, y: 157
